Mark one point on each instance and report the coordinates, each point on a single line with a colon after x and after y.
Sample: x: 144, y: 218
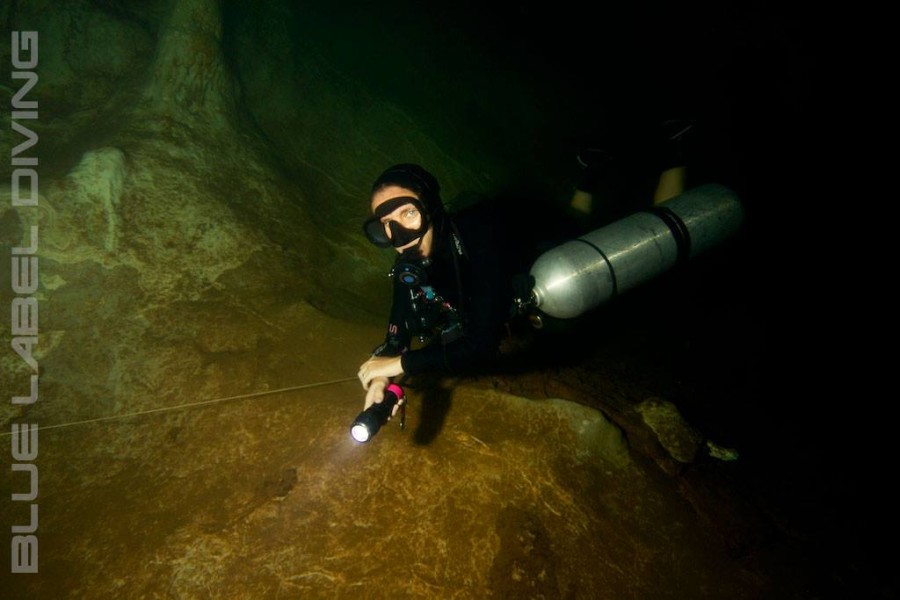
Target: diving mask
x: 409, y: 223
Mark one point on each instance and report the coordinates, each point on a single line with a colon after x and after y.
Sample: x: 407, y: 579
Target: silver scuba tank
x: 581, y: 274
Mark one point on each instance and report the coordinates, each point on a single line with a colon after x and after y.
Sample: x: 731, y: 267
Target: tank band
x: 612, y: 272
x: 677, y: 227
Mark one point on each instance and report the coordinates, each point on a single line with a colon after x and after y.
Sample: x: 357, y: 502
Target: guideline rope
x: 188, y: 405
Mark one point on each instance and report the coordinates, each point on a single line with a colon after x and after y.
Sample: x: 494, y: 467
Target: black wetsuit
x: 469, y: 300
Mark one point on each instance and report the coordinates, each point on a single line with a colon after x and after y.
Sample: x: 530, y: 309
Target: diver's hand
x: 379, y: 366
x: 375, y: 394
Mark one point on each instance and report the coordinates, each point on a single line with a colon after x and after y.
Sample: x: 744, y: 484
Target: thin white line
x: 189, y: 405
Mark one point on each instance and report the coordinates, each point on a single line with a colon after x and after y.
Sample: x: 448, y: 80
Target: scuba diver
x: 451, y: 281
x: 459, y: 279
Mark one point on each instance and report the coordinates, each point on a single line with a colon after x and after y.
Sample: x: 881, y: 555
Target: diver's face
x: 406, y: 216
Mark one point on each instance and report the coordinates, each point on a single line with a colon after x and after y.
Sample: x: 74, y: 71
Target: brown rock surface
x: 270, y: 497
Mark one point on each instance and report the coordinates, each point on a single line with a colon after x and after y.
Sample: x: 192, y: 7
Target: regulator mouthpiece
x: 369, y: 421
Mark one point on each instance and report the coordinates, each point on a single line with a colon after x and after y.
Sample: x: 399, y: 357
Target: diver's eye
x: 410, y: 213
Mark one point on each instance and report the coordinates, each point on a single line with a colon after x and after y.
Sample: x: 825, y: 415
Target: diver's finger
x: 364, y: 378
x: 373, y: 396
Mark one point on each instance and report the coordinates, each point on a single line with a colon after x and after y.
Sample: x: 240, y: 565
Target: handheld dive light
x: 369, y: 421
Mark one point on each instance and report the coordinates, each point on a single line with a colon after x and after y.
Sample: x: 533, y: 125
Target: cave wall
x: 201, y: 156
